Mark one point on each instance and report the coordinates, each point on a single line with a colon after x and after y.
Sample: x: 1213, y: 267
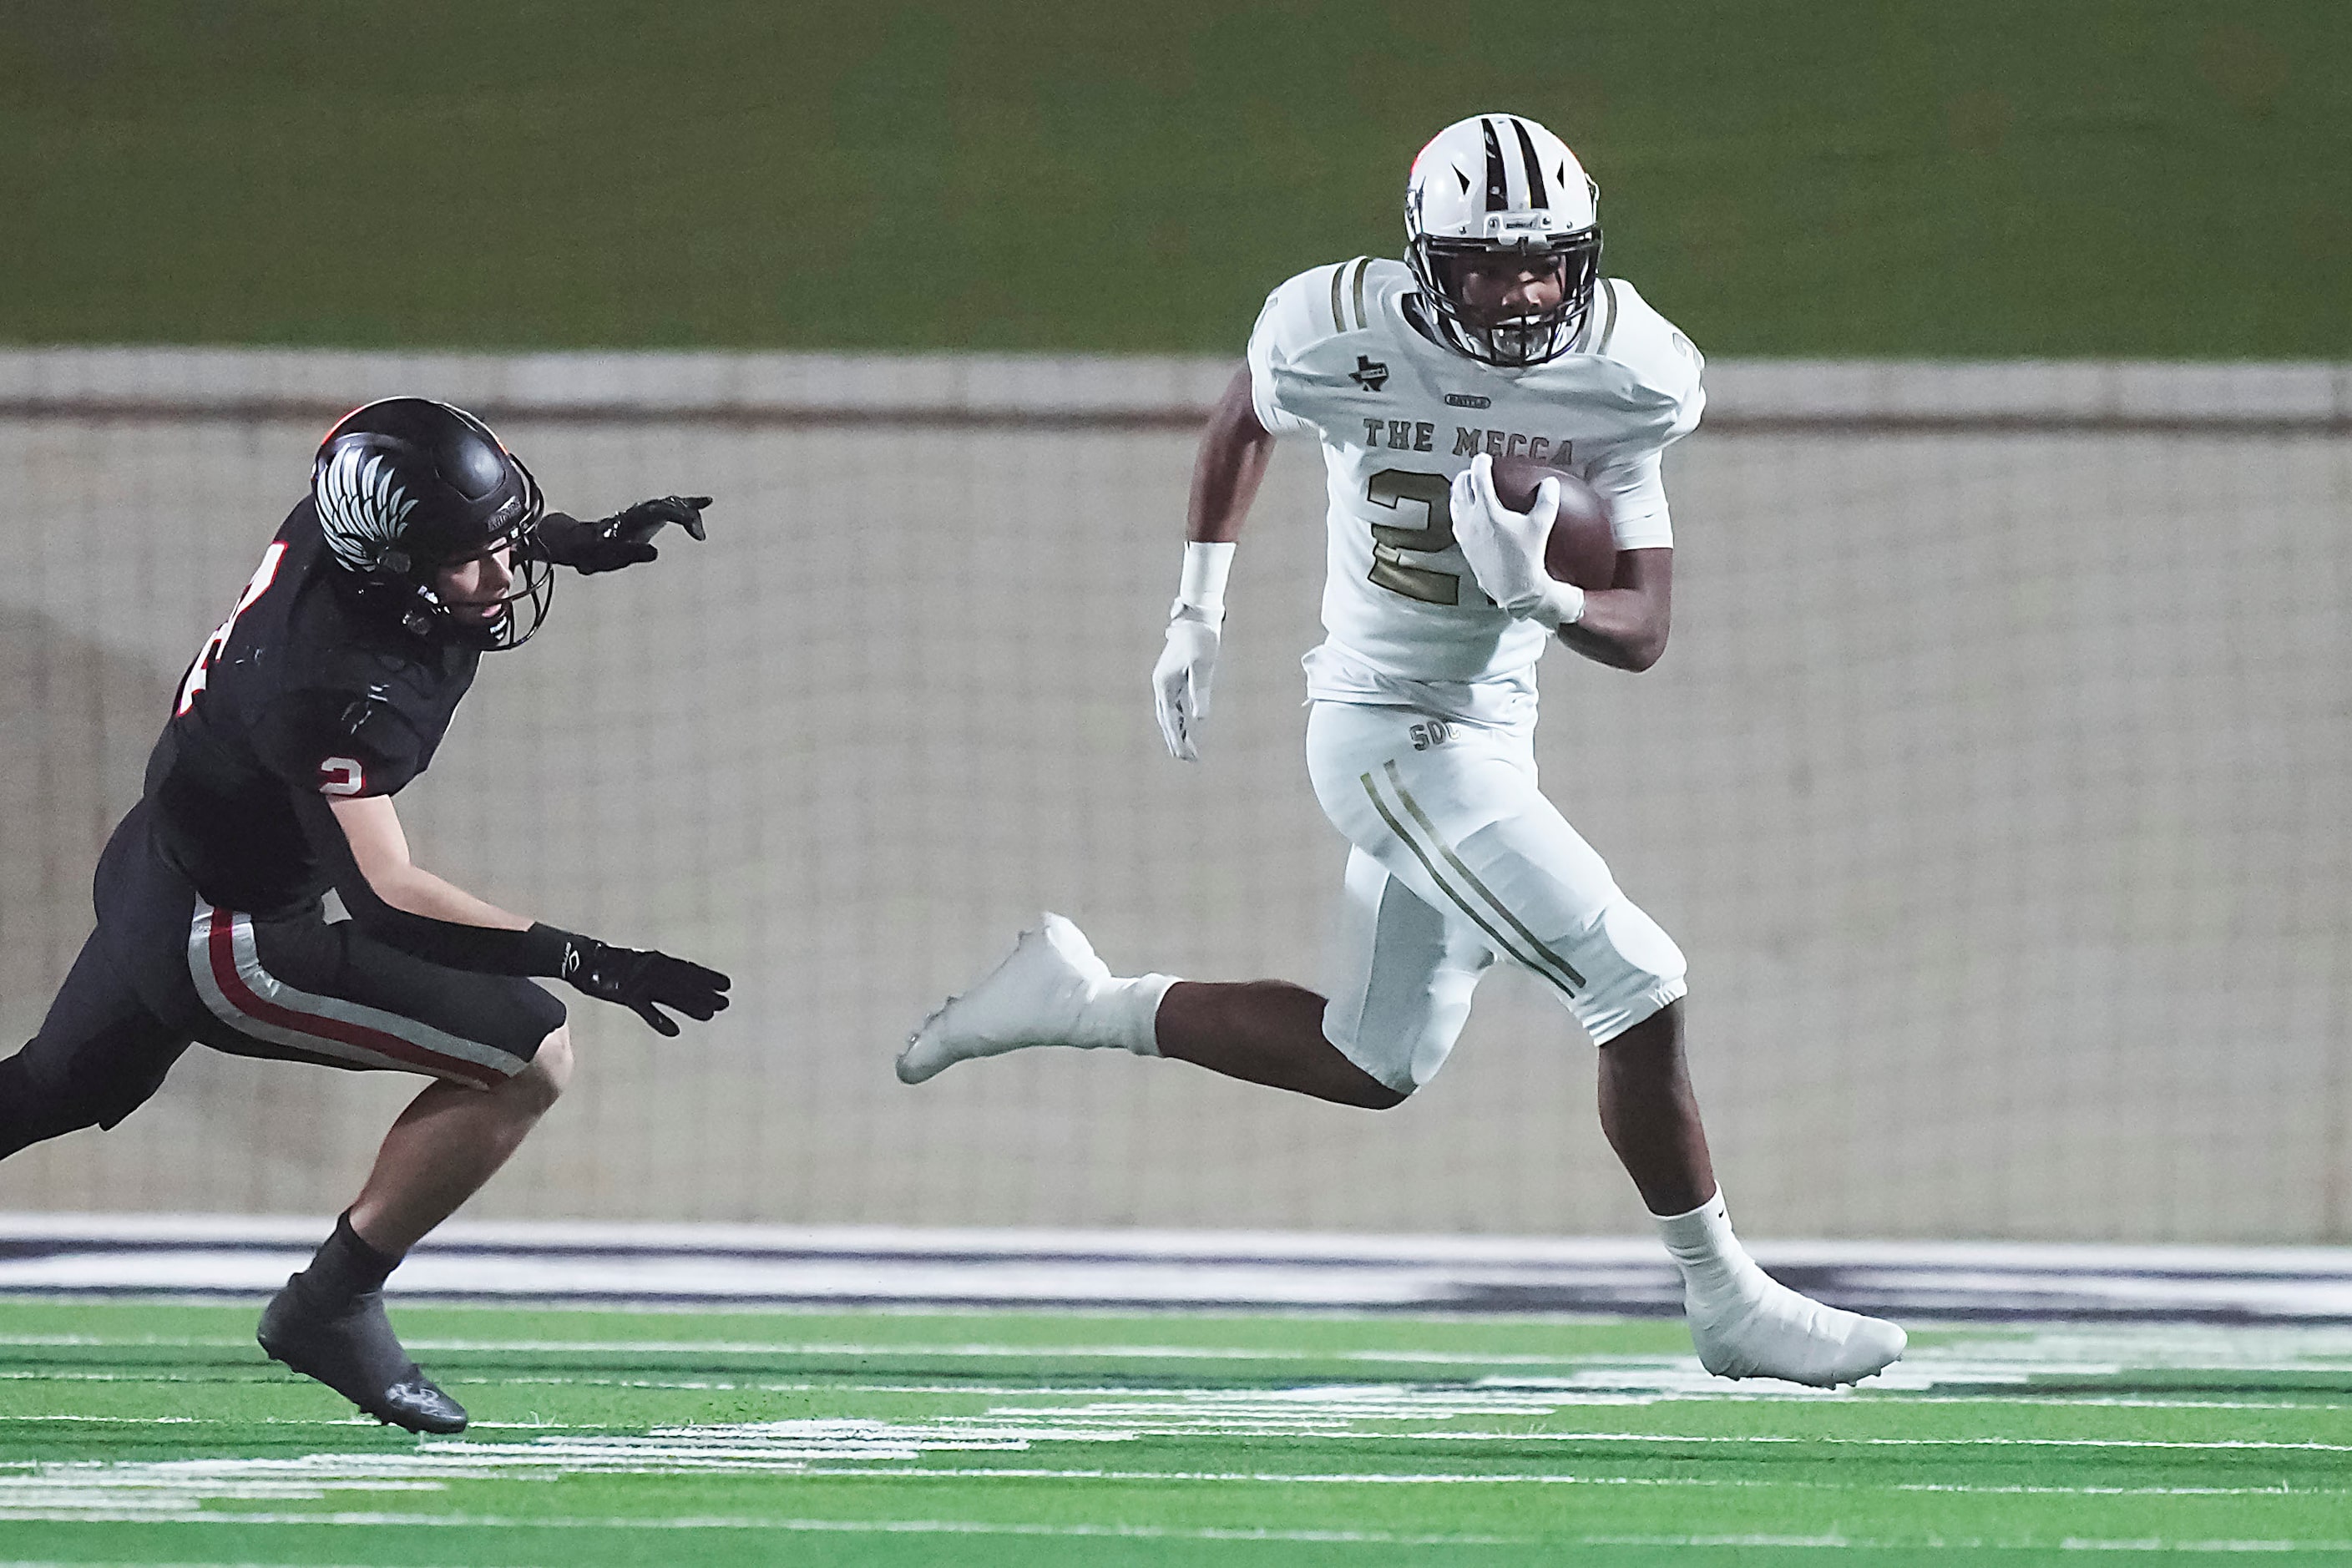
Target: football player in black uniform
x: 423, y: 544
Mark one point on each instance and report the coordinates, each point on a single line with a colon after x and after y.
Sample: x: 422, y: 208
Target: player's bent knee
x: 543, y: 1083
x: 1659, y: 1035
x: 1398, y: 1033
x: 1372, y: 1069
x: 32, y: 1112
x: 1349, y: 1078
x: 37, y: 1105
x: 1632, y: 969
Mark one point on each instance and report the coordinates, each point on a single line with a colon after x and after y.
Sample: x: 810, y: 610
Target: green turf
x: 2137, y: 177
x: 156, y: 1433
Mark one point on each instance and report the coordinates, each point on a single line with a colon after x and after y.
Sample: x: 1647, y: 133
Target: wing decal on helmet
x: 1537, y: 197
x: 360, y: 507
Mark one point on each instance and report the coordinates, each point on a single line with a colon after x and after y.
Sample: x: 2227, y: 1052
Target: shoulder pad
x: 1634, y: 334
x: 1320, y: 343
x: 339, y: 742
x: 371, y: 719
x: 1320, y: 303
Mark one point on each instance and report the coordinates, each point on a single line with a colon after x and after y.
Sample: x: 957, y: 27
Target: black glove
x: 620, y: 540
x: 639, y: 980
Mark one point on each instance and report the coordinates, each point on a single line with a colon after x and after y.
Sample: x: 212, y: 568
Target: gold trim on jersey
x: 1363, y: 264
x: 1609, y: 323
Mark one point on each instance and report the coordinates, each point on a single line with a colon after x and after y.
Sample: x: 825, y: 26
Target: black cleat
x: 355, y: 1353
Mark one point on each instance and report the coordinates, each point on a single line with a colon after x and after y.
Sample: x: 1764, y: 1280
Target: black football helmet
x: 407, y: 485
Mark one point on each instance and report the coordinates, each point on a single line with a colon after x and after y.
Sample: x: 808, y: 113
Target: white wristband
x: 1563, y: 605
x: 1203, y: 586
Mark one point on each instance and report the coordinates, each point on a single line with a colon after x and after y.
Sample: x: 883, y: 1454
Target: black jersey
x: 300, y: 690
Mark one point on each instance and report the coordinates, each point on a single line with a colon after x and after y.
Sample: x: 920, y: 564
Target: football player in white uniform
x: 1496, y: 337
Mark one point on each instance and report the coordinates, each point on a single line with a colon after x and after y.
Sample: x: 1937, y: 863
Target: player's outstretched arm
x: 402, y: 905
x: 624, y: 539
x: 378, y: 847
x: 1226, y: 473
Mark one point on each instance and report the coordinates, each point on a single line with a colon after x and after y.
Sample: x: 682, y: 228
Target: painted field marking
x: 975, y: 1472
x: 2004, y: 1544
x: 2069, y: 1351
x: 2217, y: 1445
x: 839, y: 1526
x: 1713, y: 1390
x: 1369, y: 1412
x: 121, y: 1420
x: 178, y: 1488
x: 982, y: 1351
x: 971, y: 1527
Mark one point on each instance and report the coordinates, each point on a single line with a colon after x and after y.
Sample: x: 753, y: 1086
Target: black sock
x: 344, y: 1268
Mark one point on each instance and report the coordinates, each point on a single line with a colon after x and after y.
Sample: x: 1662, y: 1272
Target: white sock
x: 1715, y: 1266
x: 1129, y: 1012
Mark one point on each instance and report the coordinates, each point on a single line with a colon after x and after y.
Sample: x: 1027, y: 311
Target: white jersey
x: 1399, y: 416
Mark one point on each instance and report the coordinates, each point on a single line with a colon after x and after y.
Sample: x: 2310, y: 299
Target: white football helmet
x: 1500, y: 185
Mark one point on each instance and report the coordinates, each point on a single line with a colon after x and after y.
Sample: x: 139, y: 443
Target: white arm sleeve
x: 1628, y: 476
x: 1635, y: 491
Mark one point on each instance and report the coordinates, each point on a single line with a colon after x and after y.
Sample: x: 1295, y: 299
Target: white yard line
x: 886, y: 1448
x: 1576, y: 1399
x: 1854, y: 1544
x: 2217, y: 1446
x: 828, y: 1526
x: 971, y: 1527
x: 221, y: 1256
x: 1021, y: 1419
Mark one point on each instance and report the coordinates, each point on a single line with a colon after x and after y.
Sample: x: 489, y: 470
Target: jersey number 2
x: 263, y: 575
x: 1388, y: 487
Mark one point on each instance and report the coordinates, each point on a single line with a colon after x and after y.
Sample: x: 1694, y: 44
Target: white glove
x: 1179, y: 682
x: 1506, y: 548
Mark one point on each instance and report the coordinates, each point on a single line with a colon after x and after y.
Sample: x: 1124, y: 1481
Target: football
x: 1582, y: 547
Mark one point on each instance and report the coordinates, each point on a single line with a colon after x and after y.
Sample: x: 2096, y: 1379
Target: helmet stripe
x: 1537, y: 196
x: 1499, y: 183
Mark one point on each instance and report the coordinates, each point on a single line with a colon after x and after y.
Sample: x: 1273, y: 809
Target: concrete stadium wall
x: 1995, y: 784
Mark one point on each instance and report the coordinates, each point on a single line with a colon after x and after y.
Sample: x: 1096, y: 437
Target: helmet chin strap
x: 423, y: 612
x: 1514, y: 342
x: 534, y: 589
x: 1536, y: 340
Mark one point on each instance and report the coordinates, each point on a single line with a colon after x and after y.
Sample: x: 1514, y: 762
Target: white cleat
x: 1042, y: 994
x: 1779, y: 1334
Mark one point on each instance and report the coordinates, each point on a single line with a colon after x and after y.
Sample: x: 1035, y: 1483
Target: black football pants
x: 99, y: 1056
x: 164, y: 970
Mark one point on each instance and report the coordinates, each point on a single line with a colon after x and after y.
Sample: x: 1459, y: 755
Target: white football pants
x: 1459, y: 859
